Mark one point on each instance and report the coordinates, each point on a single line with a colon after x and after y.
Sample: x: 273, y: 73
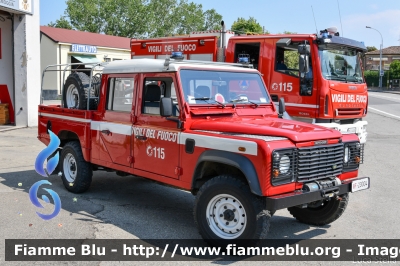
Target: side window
x: 175, y: 110
x: 248, y: 52
x: 154, y: 90
x: 287, y: 60
x: 120, y: 94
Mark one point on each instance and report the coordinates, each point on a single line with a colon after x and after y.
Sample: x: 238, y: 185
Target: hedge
x: 372, y: 77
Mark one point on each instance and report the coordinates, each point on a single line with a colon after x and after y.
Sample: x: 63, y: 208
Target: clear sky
x: 297, y: 16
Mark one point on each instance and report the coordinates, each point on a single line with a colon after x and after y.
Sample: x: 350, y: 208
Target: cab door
x: 156, y: 139
x: 300, y: 92
x: 114, y: 128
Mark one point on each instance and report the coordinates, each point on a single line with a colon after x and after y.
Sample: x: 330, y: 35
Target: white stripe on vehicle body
x: 218, y: 143
x: 112, y: 127
x: 300, y: 105
x: 249, y: 136
x: 66, y: 117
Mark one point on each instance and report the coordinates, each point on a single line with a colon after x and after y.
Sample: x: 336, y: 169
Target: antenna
x: 340, y: 16
x: 316, y: 28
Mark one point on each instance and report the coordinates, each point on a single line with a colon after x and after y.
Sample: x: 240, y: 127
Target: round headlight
x: 346, y: 154
x: 284, y: 164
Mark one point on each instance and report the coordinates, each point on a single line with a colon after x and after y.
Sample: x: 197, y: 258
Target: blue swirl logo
x: 46, y: 172
x: 34, y: 199
x: 44, y: 154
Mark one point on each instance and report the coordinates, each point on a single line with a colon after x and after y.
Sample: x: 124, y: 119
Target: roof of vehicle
x: 158, y: 65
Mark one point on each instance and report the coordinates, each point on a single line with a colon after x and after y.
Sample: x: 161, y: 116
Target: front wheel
x: 76, y: 172
x: 321, y: 213
x: 226, y: 210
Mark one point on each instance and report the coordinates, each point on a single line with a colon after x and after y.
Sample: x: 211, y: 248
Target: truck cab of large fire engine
x: 320, y: 77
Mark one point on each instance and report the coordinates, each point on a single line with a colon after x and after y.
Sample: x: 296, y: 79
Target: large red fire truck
x: 157, y: 119
x: 319, y: 76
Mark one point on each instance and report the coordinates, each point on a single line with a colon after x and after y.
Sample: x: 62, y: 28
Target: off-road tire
x: 96, y: 82
x: 80, y: 81
x: 257, y: 217
x: 322, y: 215
x: 72, y: 152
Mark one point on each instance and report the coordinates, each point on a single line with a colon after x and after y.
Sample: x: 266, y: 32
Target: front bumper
x: 301, y: 197
x: 358, y: 128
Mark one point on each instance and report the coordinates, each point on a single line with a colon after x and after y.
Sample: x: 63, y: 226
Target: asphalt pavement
x: 385, y: 103
x: 131, y: 207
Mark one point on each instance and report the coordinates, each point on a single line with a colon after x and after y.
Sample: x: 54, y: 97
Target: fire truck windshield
x: 341, y: 64
x: 220, y: 87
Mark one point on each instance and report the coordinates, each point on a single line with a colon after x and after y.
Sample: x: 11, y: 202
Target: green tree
x: 242, y: 25
x: 138, y: 18
x: 190, y: 17
x: 62, y: 22
x: 371, y: 48
x: 395, y: 69
x: 162, y: 16
x: 212, y: 20
x: 115, y: 17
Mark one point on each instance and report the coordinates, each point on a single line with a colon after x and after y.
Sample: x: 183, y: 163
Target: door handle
x: 141, y: 137
x: 107, y: 132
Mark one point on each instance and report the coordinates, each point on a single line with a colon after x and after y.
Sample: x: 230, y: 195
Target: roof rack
x: 67, y: 67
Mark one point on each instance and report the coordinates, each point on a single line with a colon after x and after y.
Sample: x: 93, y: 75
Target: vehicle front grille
x: 349, y: 111
x: 319, y: 162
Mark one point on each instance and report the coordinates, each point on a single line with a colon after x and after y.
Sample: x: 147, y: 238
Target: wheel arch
x: 66, y: 136
x: 214, y: 162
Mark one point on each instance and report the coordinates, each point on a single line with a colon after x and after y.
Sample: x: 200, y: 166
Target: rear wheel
x: 76, y: 172
x: 226, y: 210
x: 321, y: 213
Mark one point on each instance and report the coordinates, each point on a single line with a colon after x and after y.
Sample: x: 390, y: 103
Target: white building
x: 20, y: 60
x: 62, y: 46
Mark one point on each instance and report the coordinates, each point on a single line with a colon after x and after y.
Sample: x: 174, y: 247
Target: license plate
x: 360, y: 184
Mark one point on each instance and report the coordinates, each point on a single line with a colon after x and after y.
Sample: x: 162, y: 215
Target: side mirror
x: 282, y: 110
x: 166, y: 105
x: 303, y: 65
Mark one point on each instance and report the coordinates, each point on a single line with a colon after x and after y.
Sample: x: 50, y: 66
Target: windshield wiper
x: 207, y: 99
x: 333, y: 77
x: 353, y: 79
x: 243, y: 100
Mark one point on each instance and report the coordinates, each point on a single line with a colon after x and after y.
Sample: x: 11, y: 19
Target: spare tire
x: 96, y: 81
x: 76, y: 92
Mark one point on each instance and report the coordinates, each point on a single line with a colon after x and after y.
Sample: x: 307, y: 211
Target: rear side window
x: 120, y: 94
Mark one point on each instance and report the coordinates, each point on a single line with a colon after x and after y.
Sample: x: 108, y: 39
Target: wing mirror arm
x: 177, y: 120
